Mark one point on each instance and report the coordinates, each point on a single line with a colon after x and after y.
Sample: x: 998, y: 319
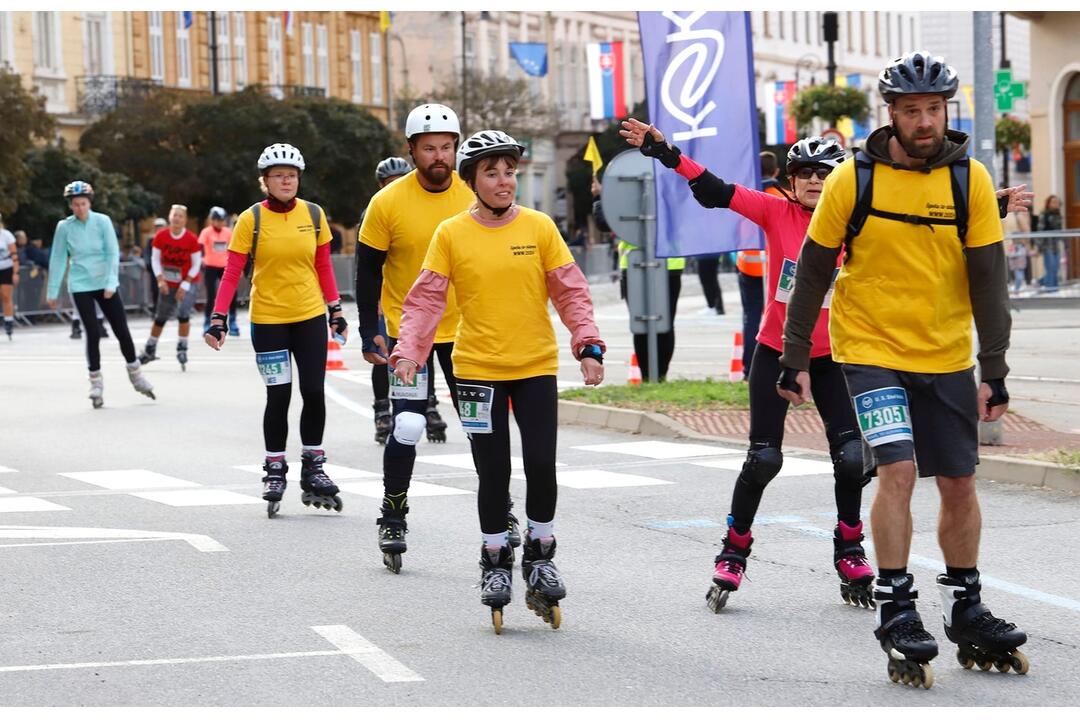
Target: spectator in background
x: 707, y: 267
x: 1050, y: 220
x: 9, y: 276
x: 148, y: 255
x: 214, y: 240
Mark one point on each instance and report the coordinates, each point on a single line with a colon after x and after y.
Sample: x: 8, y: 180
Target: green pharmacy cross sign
x: 1006, y: 91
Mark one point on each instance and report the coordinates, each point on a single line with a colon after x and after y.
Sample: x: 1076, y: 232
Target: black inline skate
x: 319, y: 489
x: 901, y: 633
x: 982, y: 639
x: 149, y: 354
x: 181, y: 354
x: 436, y: 426
x: 274, y: 483
x: 384, y: 420
x: 543, y: 584
x: 513, y: 528
x: 392, y: 529
x: 9, y: 327
x: 496, y: 570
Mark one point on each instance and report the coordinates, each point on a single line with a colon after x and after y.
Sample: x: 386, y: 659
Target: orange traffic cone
x: 634, y: 378
x: 335, y: 358
x: 735, y: 374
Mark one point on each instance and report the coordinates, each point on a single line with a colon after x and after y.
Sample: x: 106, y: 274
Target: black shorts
x: 7, y: 276
x: 932, y: 419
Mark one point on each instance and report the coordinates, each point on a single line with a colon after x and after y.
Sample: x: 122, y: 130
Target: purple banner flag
x: 699, y: 79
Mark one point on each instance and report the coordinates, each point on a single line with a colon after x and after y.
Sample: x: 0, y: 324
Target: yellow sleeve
x: 984, y: 220
x: 375, y: 231
x: 242, y: 233
x: 553, y: 250
x: 437, y: 259
x: 828, y: 226
x: 324, y: 230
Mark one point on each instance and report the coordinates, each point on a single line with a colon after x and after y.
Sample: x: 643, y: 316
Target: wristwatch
x: 592, y: 351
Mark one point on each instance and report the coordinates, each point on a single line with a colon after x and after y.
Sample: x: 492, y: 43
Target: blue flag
x: 532, y: 57
x: 699, y: 79
x: 187, y: 19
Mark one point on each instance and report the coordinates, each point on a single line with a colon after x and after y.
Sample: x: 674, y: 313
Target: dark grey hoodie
x: 987, y: 271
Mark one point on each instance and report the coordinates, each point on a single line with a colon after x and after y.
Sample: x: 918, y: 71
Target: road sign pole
x: 650, y: 273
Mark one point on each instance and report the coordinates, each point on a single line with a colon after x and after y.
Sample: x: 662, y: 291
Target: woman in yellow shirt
x: 289, y: 245
x: 505, y: 262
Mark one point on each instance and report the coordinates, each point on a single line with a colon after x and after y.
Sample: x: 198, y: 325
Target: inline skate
x: 849, y: 559
x: 901, y: 633
x: 730, y: 568
x: 496, y: 570
x: 318, y: 489
x: 544, y: 586
x: 274, y: 484
x: 982, y: 639
x: 436, y: 426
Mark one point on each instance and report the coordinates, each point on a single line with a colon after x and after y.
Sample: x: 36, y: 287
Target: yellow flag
x: 592, y: 155
x: 384, y: 20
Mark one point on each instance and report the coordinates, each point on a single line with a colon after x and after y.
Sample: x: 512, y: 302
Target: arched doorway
x: 1071, y: 201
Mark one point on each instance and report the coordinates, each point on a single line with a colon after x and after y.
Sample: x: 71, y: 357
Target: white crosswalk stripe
x: 793, y: 466
x: 28, y: 504
x: 128, y: 479
x: 198, y: 498
x: 659, y: 449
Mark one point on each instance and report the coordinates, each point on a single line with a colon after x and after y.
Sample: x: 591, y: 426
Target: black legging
x: 211, y: 279
x: 113, y: 309
x: 665, y: 342
x: 306, y: 341
x: 752, y: 294
x: 399, y: 458
x: 767, y: 414
x: 535, y: 402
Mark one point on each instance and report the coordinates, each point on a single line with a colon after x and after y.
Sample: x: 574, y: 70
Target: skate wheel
x: 985, y: 665
x: 338, y: 504
x: 556, y: 617
x: 272, y: 508
x: 716, y: 598
x: 893, y: 674
x: 1002, y: 666
x: 496, y: 620
x: 392, y: 562
x: 1019, y: 662
x: 927, y: 677
x: 97, y: 404
x: 966, y: 661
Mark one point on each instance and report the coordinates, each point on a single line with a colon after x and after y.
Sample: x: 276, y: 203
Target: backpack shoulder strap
x: 316, y: 217
x: 960, y: 172
x: 864, y: 194
x: 256, y: 214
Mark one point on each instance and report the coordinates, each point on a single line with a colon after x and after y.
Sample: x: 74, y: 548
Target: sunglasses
x: 805, y: 173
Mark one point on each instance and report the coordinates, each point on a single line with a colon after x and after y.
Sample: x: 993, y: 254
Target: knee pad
x: 848, y: 466
x: 409, y: 427
x: 761, y: 466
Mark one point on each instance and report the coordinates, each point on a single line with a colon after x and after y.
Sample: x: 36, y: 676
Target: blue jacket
x: 94, y: 253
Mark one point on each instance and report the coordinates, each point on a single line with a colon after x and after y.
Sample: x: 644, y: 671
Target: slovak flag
x: 607, y: 96
x: 287, y: 17
x: 780, y: 126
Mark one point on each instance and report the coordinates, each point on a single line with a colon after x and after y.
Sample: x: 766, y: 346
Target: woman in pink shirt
x: 214, y: 239
x: 785, y: 222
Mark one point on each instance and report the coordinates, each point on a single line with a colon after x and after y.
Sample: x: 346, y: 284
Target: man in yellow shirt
x: 922, y: 260
x: 398, y: 226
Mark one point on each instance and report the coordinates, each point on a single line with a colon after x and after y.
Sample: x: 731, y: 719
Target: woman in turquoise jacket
x: 88, y: 239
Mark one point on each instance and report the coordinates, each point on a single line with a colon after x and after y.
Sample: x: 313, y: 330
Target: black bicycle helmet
x: 918, y: 73
x: 814, y: 150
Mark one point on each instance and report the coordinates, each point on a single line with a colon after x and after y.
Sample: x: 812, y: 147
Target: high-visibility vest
x: 673, y: 263
x: 751, y: 262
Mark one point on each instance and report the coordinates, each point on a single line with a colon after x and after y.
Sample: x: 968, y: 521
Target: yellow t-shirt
x: 284, y: 285
x: 499, y: 275
x: 901, y: 299
x: 401, y: 219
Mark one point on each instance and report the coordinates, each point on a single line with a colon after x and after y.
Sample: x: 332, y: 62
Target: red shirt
x: 175, y: 254
x: 785, y: 223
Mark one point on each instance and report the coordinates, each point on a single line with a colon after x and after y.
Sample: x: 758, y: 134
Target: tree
x: 1012, y: 133
x: 52, y: 167
x: 201, y: 150
x: 22, y: 118
x: 499, y: 103
x: 830, y: 103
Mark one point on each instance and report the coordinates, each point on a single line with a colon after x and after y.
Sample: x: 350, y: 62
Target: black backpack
x: 960, y: 171
x: 256, y: 211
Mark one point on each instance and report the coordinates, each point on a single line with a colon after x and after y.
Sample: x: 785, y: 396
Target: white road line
x: 203, y: 543
x: 198, y: 498
x: 171, y: 661
x: 659, y: 449
x: 28, y: 504
x: 348, y: 404
x: 592, y: 479
x: 137, y: 479
x: 4, y: 469
x: 362, y: 651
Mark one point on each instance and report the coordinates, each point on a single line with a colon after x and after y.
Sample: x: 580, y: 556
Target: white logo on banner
x: 698, y: 79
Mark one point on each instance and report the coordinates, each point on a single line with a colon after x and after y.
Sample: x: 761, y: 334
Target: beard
x: 435, y: 174
x: 921, y: 152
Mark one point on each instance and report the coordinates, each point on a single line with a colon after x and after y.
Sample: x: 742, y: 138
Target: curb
x: 995, y: 468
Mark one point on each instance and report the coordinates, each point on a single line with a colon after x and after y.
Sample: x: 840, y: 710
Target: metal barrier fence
x: 136, y: 284
x: 1070, y: 258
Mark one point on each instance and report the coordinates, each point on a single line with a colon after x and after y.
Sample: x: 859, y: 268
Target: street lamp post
x: 811, y: 62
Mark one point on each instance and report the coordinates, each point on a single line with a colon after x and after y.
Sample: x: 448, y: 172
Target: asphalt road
x: 139, y: 567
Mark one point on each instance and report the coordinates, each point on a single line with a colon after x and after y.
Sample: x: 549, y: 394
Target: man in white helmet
x: 398, y: 226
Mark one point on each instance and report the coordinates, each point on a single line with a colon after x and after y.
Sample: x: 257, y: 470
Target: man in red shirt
x: 176, y: 259
x: 214, y: 240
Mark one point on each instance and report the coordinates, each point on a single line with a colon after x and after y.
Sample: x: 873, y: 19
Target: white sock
x: 496, y: 540
x: 271, y: 456
x: 314, y: 449
x: 541, y: 530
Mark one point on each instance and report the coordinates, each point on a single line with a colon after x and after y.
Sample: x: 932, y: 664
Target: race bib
x: 883, y: 415
x: 832, y: 284
x: 275, y: 367
x: 220, y: 246
x: 416, y: 390
x: 171, y: 274
x: 474, y: 407
x: 787, y: 281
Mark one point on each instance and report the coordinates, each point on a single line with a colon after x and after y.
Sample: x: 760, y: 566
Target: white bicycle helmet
x: 484, y: 144
x: 281, y: 154
x: 218, y: 213
x: 78, y: 188
x: 814, y: 150
x: 391, y: 167
x: 431, y: 118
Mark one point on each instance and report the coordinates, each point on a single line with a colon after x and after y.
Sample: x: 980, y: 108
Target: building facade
x: 87, y: 62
